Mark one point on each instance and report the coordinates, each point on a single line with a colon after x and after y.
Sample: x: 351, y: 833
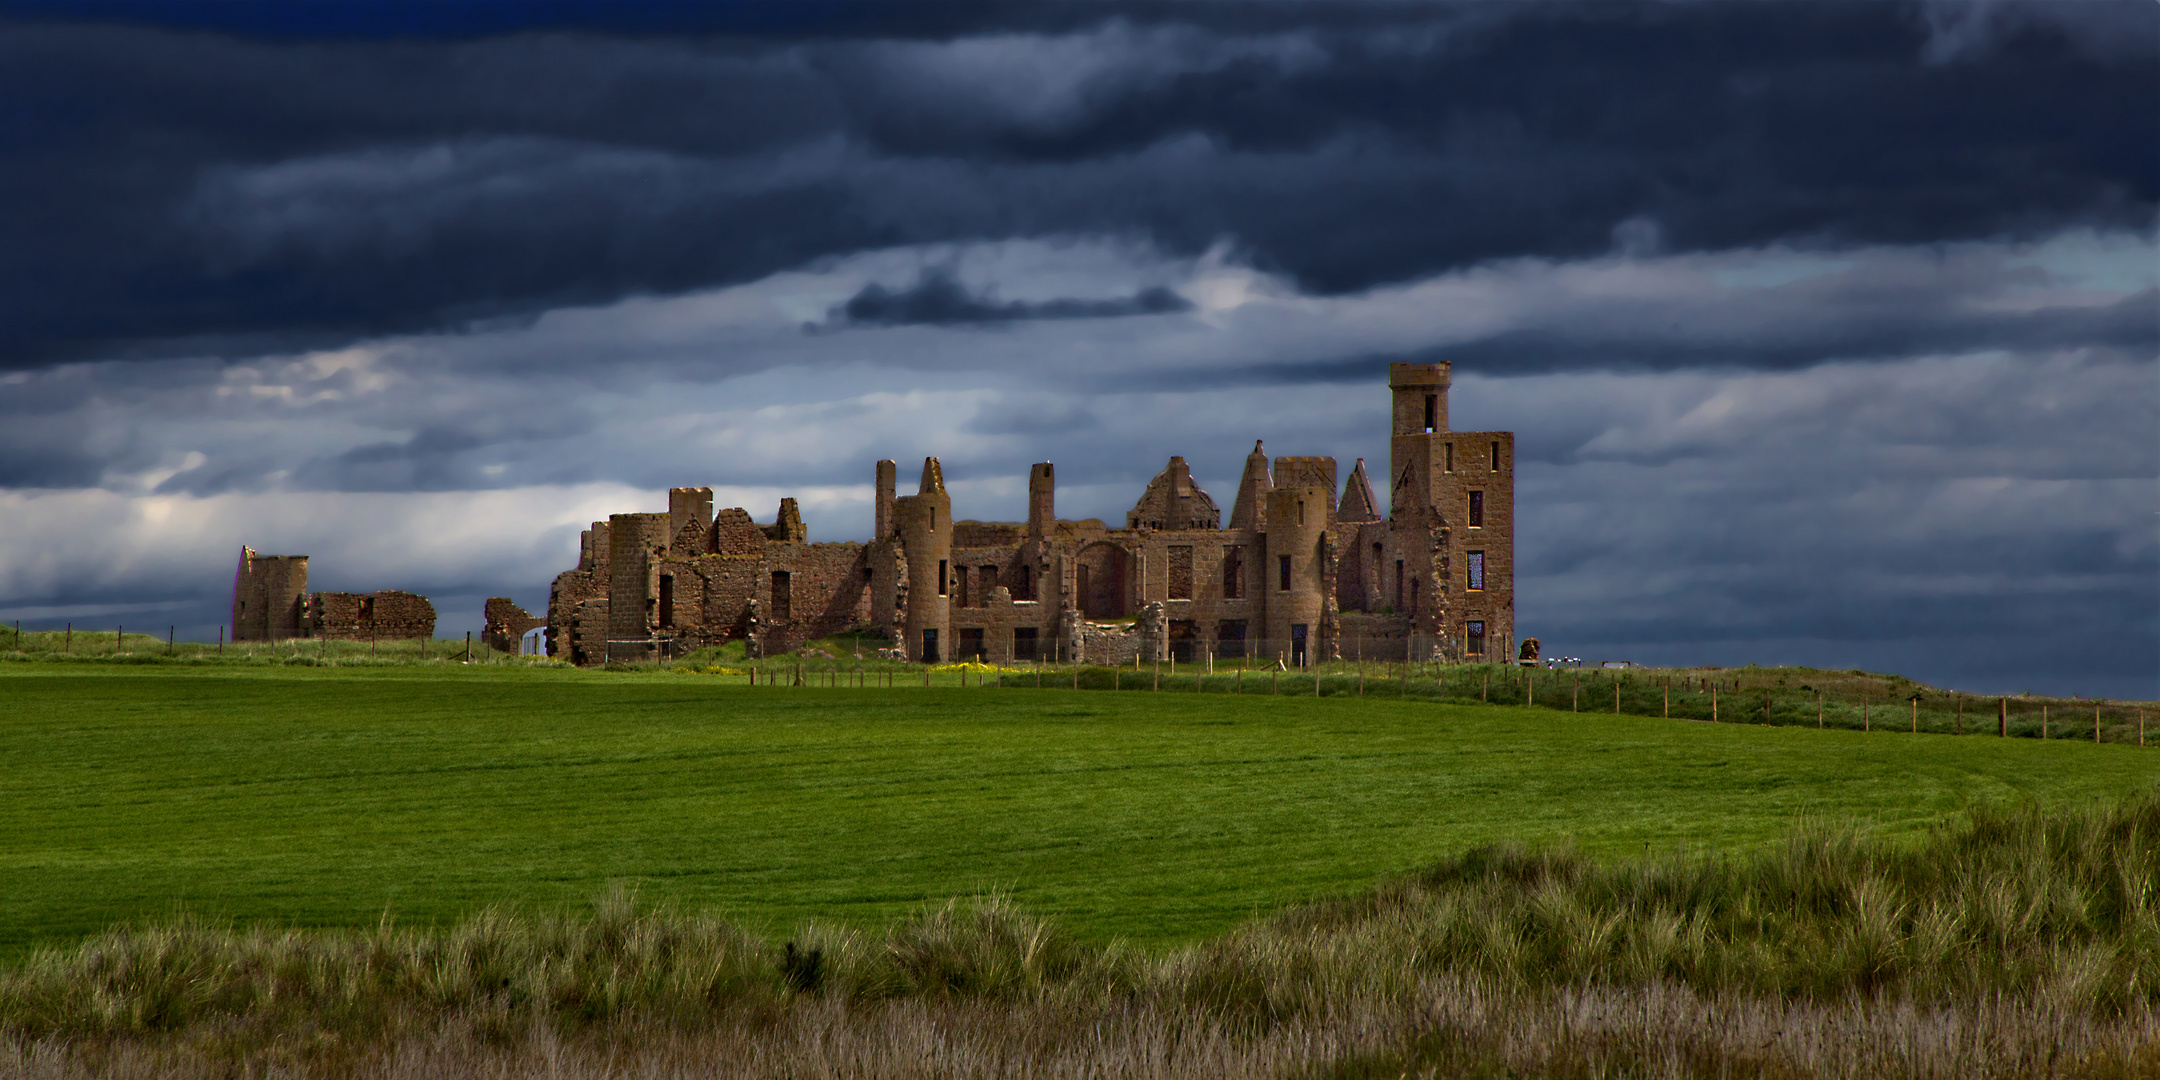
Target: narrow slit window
x: 1398, y: 584
x: 783, y: 596
x: 942, y: 586
x: 1477, y: 509
x: 1477, y: 570
x: 1432, y: 411
x: 667, y: 599
x: 1233, y: 572
x: 1450, y: 456
x: 1283, y: 562
x: 1496, y: 457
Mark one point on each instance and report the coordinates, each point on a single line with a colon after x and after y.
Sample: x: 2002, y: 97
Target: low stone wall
x: 389, y: 615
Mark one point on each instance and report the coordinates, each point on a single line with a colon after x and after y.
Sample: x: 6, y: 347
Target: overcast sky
x: 1830, y: 333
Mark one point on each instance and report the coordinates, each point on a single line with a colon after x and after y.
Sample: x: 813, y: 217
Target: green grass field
x: 330, y: 796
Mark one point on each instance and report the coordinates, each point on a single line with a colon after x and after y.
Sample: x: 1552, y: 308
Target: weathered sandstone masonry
x: 271, y: 603
x: 1304, y: 570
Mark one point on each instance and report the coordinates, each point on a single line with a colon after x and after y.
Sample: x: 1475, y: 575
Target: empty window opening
x: 1284, y: 564
x: 984, y: 582
x: 1414, y: 591
x: 1496, y: 457
x: 1477, y: 509
x: 1432, y: 411
x: 868, y: 575
x: 1025, y: 644
x: 1023, y: 579
x: 667, y: 599
x: 1184, y: 640
x: 930, y: 646
x: 1297, y: 645
x: 1398, y: 584
x: 1476, y: 574
x: 1474, y: 638
x: 941, y: 582
x: 1230, y: 637
x: 960, y: 586
x: 367, y: 609
x: 971, y: 644
x: 1233, y: 572
x: 1450, y: 456
x: 1301, y: 512
x: 1180, y: 584
x: 783, y: 596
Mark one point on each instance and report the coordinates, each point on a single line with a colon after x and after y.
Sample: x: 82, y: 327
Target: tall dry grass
x: 2012, y: 943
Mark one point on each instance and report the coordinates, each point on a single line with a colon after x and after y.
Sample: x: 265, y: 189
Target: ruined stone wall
x: 830, y: 592
x: 377, y: 616
x: 587, y: 581
x: 507, y: 624
x: 1108, y: 643
x: 1371, y: 636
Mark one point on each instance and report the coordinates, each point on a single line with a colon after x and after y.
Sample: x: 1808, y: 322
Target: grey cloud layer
x: 165, y: 191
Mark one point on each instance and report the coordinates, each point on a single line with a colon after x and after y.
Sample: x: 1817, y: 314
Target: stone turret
x: 1298, y: 578
x: 924, y: 522
x: 1250, y: 509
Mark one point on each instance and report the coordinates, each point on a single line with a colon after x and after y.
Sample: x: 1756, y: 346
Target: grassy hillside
x: 328, y: 796
x: 2001, y: 944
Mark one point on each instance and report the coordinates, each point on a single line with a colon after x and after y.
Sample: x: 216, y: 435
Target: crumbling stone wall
x: 271, y: 603
x: 389, y: 615
x: 507, y: 624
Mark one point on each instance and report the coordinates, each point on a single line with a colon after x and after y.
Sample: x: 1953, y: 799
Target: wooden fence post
x: 468, y: 646
x: 2002, y: 718
x: 1818, y: 710
x: 1713, y: 703
x: 170, y: 630
x: 2096, y: 721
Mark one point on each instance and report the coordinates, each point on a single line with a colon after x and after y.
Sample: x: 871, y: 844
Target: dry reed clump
x: 2015, y: 943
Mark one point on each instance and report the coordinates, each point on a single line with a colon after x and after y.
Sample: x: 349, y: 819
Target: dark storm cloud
x: 164, y: 190
x: 937, y: 298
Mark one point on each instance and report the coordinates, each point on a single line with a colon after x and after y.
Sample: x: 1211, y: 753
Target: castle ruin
x: 271, y: 603
x: 1303, y: 571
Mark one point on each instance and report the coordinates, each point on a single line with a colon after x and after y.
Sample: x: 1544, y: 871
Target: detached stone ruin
x: 1303, y: 571
x: 271, y: 603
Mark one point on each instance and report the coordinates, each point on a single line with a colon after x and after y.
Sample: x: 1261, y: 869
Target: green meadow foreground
x: 335, y: 796
x: 631, y: 874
